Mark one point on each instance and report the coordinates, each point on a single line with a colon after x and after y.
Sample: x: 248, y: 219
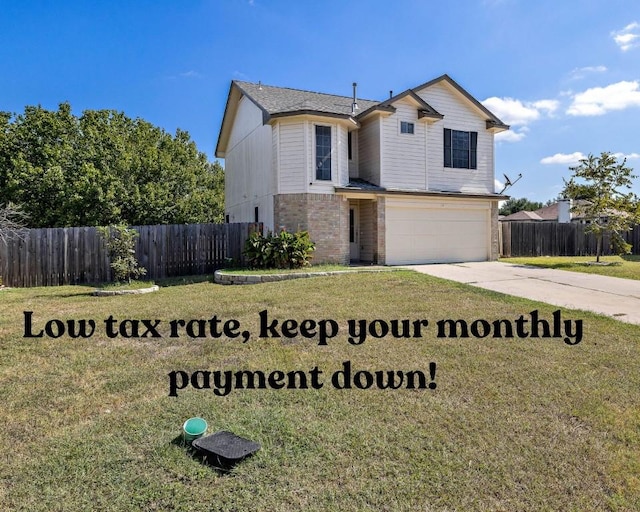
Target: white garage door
x: 436, y: 232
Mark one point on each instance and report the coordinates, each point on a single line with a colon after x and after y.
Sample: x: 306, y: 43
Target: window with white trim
x: 407, y: 127
x: 460, y: 149
x: 323, y: 152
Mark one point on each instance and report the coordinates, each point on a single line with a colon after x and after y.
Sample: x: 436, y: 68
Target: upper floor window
x: 407, y: 127
x: 460, y: 149
x: 323, y: 152
x: 350, y: 146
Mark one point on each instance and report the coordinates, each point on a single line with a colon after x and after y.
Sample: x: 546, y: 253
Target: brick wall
x: 495, y: 244
x: 324, y: 216
x: 380, y: 231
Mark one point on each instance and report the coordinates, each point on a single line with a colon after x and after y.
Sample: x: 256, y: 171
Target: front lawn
x: 627, y: 267
x: 513, y: 424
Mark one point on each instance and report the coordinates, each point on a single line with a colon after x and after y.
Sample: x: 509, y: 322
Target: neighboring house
x: 560, y: 211
x: 405, y: 180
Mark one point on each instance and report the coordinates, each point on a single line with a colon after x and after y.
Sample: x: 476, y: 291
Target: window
x: 255, y: 214
x: 460, y: 149
x: 323, y: 152
x: 226, y: 219
x: 406, y: 127
x: 350, y: 145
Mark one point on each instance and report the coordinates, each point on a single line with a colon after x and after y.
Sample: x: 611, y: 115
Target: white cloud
x: 600, y: 100
x: 574, y: 158
x: 549, y: 106
x: 578, y: 73
x: 629, y: 156
x: 628, y: 37
x: 190, y: 74
x: 510, y: 136
x: 498, y: 185
x: 518, y: 114
x: 563, y: 159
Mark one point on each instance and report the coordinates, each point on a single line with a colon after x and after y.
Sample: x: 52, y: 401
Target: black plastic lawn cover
x: 225, y: 449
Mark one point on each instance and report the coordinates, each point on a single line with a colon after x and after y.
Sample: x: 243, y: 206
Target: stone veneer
x: 379, y: 232
x: 324, y: 216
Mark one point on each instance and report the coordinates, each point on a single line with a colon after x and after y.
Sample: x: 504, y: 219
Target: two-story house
x: 405, y: 180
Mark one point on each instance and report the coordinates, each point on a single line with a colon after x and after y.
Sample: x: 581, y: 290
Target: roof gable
x: 424, y: 109
x: 492, y: 121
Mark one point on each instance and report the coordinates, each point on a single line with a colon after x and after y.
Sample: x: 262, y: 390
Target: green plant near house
x: 120, y: 242
x: 279, y: 250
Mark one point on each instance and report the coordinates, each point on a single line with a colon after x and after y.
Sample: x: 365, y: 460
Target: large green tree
x: 513, y: 205
x: 608, y: 205
x: 104, y: 168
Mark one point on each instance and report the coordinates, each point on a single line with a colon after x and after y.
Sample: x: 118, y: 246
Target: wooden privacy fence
x: 57, y: 256
x: 555, y: 239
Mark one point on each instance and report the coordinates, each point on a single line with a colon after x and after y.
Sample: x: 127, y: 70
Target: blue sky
x: 564, y: 74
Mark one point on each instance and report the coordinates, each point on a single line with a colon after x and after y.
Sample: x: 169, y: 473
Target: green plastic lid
x: 195, y: 426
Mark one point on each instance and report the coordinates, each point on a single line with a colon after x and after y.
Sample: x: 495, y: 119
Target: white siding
x: 403, y: 164
x: 343, y: 156
x: 353, y: 163
x: 248, y: 167
x: 369, y: 151
x: 291, y: 156
x: 458, y: 115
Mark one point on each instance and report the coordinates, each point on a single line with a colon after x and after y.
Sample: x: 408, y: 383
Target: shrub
x: 279, y: 250
x: 120, y: 242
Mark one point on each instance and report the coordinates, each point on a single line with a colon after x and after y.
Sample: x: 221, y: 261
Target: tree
x: 513, y: 205
x: 104, y: 168
x: 12, y: 222
x: 120, y: 242
x: 608, y: 204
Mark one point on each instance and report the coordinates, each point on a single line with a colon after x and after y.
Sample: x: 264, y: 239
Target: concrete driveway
x: 611, y: 296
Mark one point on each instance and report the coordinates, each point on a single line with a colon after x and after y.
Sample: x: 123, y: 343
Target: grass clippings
x: 514, y: 424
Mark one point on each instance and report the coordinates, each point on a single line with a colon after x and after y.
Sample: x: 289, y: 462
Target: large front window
x: 323, y: 152
x: 460, y: 149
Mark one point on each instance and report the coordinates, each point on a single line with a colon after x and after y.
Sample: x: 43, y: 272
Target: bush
x: 120, y: 241
x: 280, y: 250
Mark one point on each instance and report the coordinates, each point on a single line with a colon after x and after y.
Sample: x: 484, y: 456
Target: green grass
x: 627, y: 267
x: 514, y: 424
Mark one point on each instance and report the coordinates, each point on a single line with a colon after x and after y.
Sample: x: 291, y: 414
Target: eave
x: 364, y: 193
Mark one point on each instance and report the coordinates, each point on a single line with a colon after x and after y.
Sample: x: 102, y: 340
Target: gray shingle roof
x: 283, y: 101
x: 280, y: 100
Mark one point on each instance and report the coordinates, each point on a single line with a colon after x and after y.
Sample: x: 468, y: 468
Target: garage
x: 428, y: 230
